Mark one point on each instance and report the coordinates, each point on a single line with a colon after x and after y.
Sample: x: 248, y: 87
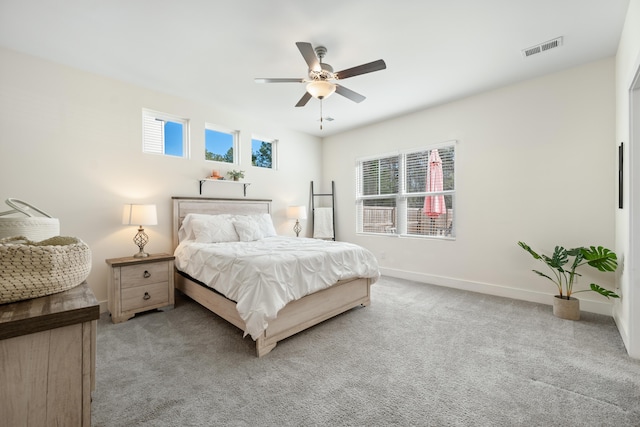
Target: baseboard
x: 103, y: 306
x: 604, y: 307
x: 622, y: 326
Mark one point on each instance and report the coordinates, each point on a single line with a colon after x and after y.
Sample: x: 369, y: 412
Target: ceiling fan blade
x: 303, y: 101
x: 263, y: 80
x: 309, y: 55
x: 361, y: 69
x: 348, y: 93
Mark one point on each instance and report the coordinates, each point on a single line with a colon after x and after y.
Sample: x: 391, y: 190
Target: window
x: 377, y: 191
x: 221, y: 145
x: 263, y: 152
x: 411, y: 193
x: 165, y: 134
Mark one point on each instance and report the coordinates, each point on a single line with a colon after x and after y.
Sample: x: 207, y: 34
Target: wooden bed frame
x: 294, y: 317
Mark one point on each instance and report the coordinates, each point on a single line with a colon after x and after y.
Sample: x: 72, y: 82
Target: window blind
x: 153, y: 135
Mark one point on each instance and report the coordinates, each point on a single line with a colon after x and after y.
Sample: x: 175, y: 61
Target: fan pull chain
x: 321, y: 114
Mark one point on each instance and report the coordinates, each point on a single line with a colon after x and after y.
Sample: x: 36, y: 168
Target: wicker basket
x: 34, y: 269
x: 35, y: 228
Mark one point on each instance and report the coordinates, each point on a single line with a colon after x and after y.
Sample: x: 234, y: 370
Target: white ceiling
x: 211, y: 50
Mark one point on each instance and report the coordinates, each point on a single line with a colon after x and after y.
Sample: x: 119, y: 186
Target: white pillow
x: 247, y: 228
x: 214, y: 229
x: 185, y: 232
x: 265, y: 224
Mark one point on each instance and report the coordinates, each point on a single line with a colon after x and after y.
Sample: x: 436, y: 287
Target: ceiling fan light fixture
x: 321, y: 89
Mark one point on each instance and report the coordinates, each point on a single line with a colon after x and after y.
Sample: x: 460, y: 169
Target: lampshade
x: 139, y: 215
x: 321, y: 89
x: 297, y: 212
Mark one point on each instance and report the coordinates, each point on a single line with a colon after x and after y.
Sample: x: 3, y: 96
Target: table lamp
x: 140, y: 215
x: 297, y: 213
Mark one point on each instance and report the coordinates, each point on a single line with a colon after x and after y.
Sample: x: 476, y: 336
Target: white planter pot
x: 566, y: 308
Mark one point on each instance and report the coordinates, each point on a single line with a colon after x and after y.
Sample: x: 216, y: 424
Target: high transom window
x: 165, y: 134
x: 221, y: 145
x: 263, y: 152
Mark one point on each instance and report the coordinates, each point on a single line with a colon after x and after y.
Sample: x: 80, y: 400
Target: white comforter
x: 264, y: 275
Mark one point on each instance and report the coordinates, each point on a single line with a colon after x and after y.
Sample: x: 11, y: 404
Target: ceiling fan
x: 321, y: 77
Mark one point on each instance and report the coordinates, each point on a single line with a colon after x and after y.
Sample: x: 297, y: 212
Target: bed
x: 350, y: 289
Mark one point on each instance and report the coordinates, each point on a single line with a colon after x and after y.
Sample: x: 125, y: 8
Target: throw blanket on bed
x: 262, y: 276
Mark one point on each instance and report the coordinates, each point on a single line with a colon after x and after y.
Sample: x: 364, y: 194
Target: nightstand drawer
x: 138, y: 297
x: 143, y: 274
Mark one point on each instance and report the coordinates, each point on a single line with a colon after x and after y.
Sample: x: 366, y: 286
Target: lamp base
x: 141, y: 239
x: 297, y: 228
x: 141, y: 254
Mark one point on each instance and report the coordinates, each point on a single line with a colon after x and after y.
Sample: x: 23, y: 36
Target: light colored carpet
x: 420, y: 355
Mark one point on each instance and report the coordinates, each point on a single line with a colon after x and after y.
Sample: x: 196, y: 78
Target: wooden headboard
x: 212, y: 206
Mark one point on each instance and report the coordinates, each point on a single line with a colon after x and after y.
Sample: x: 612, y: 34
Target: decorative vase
x: 235, y: 178
x: 566, y: 308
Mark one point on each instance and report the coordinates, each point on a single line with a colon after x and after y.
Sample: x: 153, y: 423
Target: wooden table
x: 47, y: 359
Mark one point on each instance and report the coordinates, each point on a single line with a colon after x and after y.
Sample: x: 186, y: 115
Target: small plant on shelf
x: 235, y: 175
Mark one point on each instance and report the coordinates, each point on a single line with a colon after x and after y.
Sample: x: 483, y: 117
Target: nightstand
x: 139, y: 284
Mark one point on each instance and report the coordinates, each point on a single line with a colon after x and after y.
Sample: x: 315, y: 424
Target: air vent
x: 542, y: 47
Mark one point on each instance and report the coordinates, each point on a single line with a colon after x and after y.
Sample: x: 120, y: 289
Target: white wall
x: 70, y: 143
x: 534, y: 162
x: 628, y: 236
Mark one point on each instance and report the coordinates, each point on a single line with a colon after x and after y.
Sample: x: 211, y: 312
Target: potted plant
x: 235, y: 175
x: 563, y: 263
